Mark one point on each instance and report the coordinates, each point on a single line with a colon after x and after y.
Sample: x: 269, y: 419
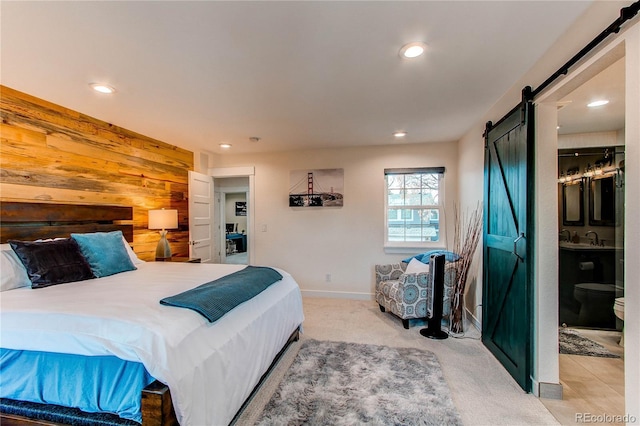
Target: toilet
x: 595, y: 304
x: 618, y: 310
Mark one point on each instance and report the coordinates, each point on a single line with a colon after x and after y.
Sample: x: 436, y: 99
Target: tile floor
x: 592, y: 386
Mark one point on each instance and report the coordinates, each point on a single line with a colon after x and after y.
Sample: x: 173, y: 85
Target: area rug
x: 334, y: 383
x: 573, y: 343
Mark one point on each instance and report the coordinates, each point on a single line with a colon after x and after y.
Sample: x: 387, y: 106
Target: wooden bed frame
x: 31, y: 221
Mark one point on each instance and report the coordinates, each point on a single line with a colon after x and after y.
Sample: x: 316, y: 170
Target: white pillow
x: 415, y: 267
x: 131, y: 253
x: 13, y: 274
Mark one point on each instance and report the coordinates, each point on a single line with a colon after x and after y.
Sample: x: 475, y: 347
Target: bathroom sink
x: 583, y: 246
x: 567, y: 244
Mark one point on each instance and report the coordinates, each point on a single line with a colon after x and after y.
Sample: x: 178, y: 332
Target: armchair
x: 405, y: 295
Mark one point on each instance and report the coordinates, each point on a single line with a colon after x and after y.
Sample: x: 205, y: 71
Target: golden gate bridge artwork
x: 316, y: 188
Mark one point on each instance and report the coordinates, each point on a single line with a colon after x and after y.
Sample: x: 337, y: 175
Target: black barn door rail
x: 626, y: 13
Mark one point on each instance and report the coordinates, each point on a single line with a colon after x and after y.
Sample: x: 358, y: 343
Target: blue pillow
x: 105, y: 252
x: 449, y: 256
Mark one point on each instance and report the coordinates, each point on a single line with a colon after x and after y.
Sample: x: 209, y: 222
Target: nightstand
x: 180, y: 259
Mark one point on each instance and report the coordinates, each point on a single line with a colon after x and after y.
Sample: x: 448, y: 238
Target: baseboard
x: 337, y: 295
x: 473, y: 320
x: 368, y: 296
x: 546, y: 390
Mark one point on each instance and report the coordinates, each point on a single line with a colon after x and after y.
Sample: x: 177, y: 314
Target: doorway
x: 557, y: 372
x: 233, y: 219
x: 591, y: 184
x: 234, y: 205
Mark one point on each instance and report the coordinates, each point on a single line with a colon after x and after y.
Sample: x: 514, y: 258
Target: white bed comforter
x: 210, y: 368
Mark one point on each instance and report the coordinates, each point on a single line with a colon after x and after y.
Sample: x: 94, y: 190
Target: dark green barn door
x: 507, y: 295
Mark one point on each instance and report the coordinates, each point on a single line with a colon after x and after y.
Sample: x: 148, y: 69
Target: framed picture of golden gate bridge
x: 316, y: 188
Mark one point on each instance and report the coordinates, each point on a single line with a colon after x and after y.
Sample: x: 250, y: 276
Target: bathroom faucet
x: 595, y: 241
x: 562, y: 231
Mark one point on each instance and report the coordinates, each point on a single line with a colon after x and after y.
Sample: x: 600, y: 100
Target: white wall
x: 546, y: 368
x: 590, y: 140
x: 632, y: 224
x: 471, y: 182
x: 343, y: 242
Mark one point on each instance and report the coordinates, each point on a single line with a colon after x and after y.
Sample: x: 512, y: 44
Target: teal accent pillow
x: 449, y: 256
x: 105, y: 252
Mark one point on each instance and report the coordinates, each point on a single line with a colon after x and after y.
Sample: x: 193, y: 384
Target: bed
x: 210, y: 368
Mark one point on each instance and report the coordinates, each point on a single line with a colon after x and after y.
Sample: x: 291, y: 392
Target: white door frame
x: 249, y: 171
x: 628, y: 44
x: 222, y: 192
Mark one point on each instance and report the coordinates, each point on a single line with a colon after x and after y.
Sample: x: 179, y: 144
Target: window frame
x: 403, y: 246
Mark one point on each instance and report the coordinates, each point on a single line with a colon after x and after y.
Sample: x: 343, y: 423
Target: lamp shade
x: 163, y: 219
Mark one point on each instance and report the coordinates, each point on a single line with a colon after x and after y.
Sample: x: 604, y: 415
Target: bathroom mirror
x: 602, y: 201
x: 573, y: 203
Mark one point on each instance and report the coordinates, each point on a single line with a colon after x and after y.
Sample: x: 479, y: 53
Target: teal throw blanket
x: 214, y: 299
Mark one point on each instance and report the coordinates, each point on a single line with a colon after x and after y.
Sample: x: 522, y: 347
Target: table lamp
x: 163, y: 219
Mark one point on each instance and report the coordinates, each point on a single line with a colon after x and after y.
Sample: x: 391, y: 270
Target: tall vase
x: 457, y: 308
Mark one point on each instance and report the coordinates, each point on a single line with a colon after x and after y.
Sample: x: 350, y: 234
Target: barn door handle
x: 515, y: 246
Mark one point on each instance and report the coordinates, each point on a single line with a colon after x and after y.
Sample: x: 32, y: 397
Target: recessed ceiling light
x: 102, y: 88
x: 225, y: 145
x: 400, y: 134
x: 413, y: 50
x: 598, y: 103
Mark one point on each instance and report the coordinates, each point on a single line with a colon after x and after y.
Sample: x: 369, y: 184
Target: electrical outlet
x: 263, y: 228
x: 327, y: 278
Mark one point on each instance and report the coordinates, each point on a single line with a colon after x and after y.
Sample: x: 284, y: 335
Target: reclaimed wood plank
x: 32, y: 156
x: 85, y: 181
x: 22, y: 135
x: 104, y: 139
x: 156, y: 166
x: 39, y: 212
x: 18, y: 107
x: 31, y: 221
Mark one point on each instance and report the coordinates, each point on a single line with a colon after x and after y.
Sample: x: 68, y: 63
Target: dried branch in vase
x: 468, y: 229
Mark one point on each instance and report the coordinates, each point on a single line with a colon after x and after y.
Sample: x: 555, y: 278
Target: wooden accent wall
x: 49, y: 153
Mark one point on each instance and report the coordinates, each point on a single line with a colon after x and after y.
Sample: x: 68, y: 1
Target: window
x: 413, y: 203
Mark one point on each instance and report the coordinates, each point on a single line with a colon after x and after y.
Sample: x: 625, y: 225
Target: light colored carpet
x: 482, y: 391
x: 237, y: 258
x: 344, y: 384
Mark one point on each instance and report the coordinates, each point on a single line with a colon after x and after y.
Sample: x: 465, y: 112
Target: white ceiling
x: 575, y: 117
x: 304, y: 74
